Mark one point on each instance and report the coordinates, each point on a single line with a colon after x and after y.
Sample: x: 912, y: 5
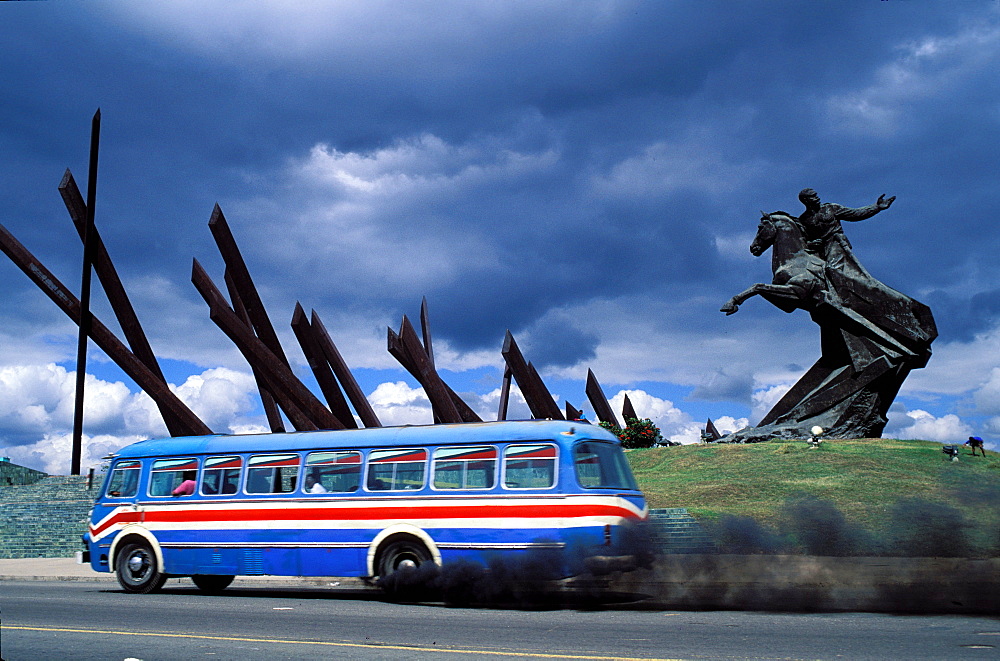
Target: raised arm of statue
x: 849, y: 214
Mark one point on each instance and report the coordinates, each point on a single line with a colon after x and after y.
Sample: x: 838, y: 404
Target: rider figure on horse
x: 821, y: 222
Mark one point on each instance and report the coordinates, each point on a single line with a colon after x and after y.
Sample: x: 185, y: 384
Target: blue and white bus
x: 358, y: 502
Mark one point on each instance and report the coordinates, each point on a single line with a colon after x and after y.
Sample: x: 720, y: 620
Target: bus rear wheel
x: 397, y: 571
x: 138, y: 570
x: 212, y: 583
x: 402, y: 555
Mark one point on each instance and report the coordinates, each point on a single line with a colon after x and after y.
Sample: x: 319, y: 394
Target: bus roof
x: 471, y: 433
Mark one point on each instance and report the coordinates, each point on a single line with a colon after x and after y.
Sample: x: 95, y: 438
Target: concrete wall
x: 12, y: 474
x: 45, y: 519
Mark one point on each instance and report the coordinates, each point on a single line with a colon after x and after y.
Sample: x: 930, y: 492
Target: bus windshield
x: 602, y: 465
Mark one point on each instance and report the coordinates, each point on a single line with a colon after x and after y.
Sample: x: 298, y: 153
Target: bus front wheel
x: 212, y: 583
x: 138, y: 570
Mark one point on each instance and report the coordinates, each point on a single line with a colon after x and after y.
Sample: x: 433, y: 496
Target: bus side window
x: 124, y: 480
x: 396, y: 470
x: 465, y: 468
x: 332, y: 472
x: 167, y: 474
x: 221, y: 476
x: 601, y: 464
x: 529, y: 466
x: 272, y: 473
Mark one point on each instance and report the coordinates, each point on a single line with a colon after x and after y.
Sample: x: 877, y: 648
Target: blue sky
x: 587, y: 174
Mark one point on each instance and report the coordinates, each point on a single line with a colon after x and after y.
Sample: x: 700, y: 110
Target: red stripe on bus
x: 544, y: 453
x: 422, y: 512
x: 418, y: 455
x: 466, y: 456
x: 353, y: 459
x: 292, y: 461
x: 190, y: 465
x: 234, y: 463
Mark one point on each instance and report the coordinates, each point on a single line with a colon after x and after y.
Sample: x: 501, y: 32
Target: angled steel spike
x: 244, y: 283
x: 434, y: 387
x: 281, y: 380
x: 394, y: 345
x: 573, y: 413
x: 519, y: 370
x: 321, y: 368
x: 115, y: 291
x: 343, y: 373
x: 597, y: 399
x: 89, y: 251
x: 104, y: 338
x: 504, y: 394
x: 425, y: 329
x: 533, y: 389
x: 397, y: 350
x: 536, y: 378
x: 203, y: 283
x: 464, y: 410
x: 628, y: 411
x: 711, y: 433
x: 274, y: 421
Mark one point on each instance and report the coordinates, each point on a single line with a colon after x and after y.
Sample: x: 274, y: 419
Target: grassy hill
x: 864, y: 479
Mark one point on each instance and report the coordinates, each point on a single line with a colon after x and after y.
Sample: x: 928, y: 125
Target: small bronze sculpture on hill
x: 871, y: 335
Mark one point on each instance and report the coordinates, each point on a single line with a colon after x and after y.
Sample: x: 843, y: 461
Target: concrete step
x: 676, y: 531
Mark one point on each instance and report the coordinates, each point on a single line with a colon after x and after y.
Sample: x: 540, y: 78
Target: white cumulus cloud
x: 37, y: 401
x: 396, y: 403
x: 920, y: 425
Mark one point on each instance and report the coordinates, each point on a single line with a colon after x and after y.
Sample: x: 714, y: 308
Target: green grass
x: 863, y: 478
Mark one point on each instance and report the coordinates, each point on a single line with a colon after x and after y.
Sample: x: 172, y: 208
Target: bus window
x: 465, y: 468
x: 272, y: 473
x: 602, y: 465
x: 221, y: 476
x: 124, y: 480
x: 332, y: 472
x: 167, y: 475
x: 529, y: 466
x: 395, y: 470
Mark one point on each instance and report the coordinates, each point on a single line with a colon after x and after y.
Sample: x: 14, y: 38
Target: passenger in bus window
x: 313, y: 485
x: 187, y: 487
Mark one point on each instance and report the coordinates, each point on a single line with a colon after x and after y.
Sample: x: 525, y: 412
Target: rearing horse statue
x: 871, y: 335
x: 799, y: 276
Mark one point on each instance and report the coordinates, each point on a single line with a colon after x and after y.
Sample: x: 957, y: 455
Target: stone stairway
x: 676, y: 531
x: 44, y: 519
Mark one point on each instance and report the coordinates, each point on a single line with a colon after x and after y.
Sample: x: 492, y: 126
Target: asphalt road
x: 87, y: 620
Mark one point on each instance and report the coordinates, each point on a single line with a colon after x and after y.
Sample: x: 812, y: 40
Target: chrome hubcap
x: 136, y: 564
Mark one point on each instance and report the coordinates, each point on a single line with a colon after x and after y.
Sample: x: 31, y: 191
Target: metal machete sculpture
x: 871, y: 335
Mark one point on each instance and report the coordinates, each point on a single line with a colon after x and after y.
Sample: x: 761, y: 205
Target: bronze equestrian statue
x: 871, y: 335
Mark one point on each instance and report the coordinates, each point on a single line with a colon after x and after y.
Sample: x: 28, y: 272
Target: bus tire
x: 402, y: 554
x: 138, y: 570
x: 212, y: 583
